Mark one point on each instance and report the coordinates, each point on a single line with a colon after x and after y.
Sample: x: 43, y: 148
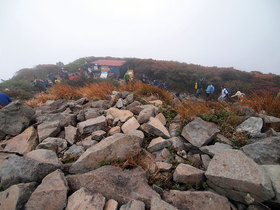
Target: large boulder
x: 274, y: 174
x: 91, y: 125
x: 214, y: 149
x: 252, y: 125
x: 84, y: 199
x: 155, y: 127
x: 188, y: 174
x: 16, y: 196
x: 118, y: 146
x: 50, y: 194
x: 54, y: 144
x: 265, y: 151
x: 115, y: 183
x: 200, y: 200
x: 199, y: 133
x: 15, y: 117
x: 24, y: 142
x: 48, y: 129
x: 64, y: 119
x: 233, y: 174
x: 17, y: 169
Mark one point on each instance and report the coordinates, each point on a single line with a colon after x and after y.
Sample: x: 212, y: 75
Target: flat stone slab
x: 119, y: 115
x: 199, y: 133
x: 156, y: 128
x: 227, y: 175
x: 162, y: 166
x: 91, y: 125
x: 252, y: 125
x: 131, y: 124
x: 274, y: 174
x: 188, y: 174
x: 214, y: 149
x: 48, y: 129
x: 158, y: 144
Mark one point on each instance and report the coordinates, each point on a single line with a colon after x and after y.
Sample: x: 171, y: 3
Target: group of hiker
x: 146, y: 80
x: 200, y: 85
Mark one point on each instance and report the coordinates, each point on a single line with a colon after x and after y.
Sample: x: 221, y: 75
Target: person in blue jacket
x: 4, y: 99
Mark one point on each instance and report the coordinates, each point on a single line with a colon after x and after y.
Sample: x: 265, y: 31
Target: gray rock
x: 188, y: 174
x: 74, y: 151
x: 119, y: 115
x: 17, y: 170
x: 224, y: 140
x: 57, y: 106
x: 124, y: 94
x: 114, y: 130
x: 129, y: 99
x: 55, y: 144
x: 269, y: 119
x: 161, y: 118
x: 266, y: 151
x: 50, y: 194
x: 146, y: 114
x: 48, y: 129
x: 252, y: 125
x: 274, y: 174
x: 15, y: 117
x: 174, y: 129
x: 177, y: 143
x: 98, y: 135
x: 227, y: 175
x: 93, y: 113
x: 87, y: 143
x: 16, y: 196
x: 119, y: 103
x: 156, y: 128
x: 123, y: 146
x: 131, y: 124
x: 44, y: 156
x: 91, y: 125
x: 133, y: 205
x: 84, y: 199
x: 214, y: 149
x: 124, y: 185
x: 158, y: 144
x: 104, y: 104
x: 63, y: 118
x: 162, y: 166
x: 158, y: 204
x: 71, y: 134
x: 24, y: 142
x: 199, y: 133
x: 200, y: 200
x: 205, y: 161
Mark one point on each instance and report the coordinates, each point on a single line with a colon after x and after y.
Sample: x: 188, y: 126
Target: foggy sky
x: 244, y: 34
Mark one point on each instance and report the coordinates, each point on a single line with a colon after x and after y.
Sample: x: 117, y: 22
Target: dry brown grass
x: 141, y: 90
x: 65, y: 91
x: 192, y: 109
x: 40, y: 99
x: 97, y: 90
x: 263, y: 100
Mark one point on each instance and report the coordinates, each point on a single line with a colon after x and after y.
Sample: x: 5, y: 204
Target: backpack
x: 195, y: 85
x: 212, y: 89
x: 228, y: 91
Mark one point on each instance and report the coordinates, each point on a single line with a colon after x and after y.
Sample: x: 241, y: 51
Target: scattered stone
x: 174, y: 129
x: 98, y: 135
x: 161, y: 118
x: 74, y: 151
x: 144, y: 128
x: 124, y: 94
x: 71, y: 134
x: 111, y: 204
x: 199, y: 133
x: 194, y: 159
x: 124, y: 185
x: 93, y: 113
x: 87, y: 143
x: 15, y: 117
x: 91, y: 125
x: 196, y: 200
x: 133, y: 205
x: 156, y: 102
x: 84, y: 199
x: 109, y: 120
x: 137, y: 133
x: 48, y: 129
x: 265, y: 151
x: 104, y: 104
x: 63, y: 118
x: 274, y: 174
x: 214, y: 149
x: 252, y: 125
x: 24, y: 142
x: 162, y: 166
x: 146, y: 114
x: 224, y: 140
x: 177, y: 143
x: 269, y: 119
x: 147, y: 161
x: 81, y: 116
x: 44, y: 156
x: 17, y: 170
x: 158, y: 204
x: 119, y: 103
x: 16, y: 196
x: 114, y: 130
x: 133, y: 105
x: 227, y: 175
x: 129, y: 99
x: 131, y: 124
x: 55, y: 144
x: 50, y: 194
x: 53, y: 107
x: 188, y: 174
x: 158, y: 144
x: 205, y: 161
x: 123, y: 146
x: 163, y: 155
x: 119, y: 115
x: 156, y: 128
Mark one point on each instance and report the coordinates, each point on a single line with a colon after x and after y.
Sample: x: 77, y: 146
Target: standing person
x: 209, y: 90
x: 4, y: 99
x: 224, y: 94
x: 126, y: 78
x: 239, y: 95
x: 199, y: 87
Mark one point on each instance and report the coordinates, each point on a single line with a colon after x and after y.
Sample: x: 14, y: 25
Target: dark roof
x: 109, y: 62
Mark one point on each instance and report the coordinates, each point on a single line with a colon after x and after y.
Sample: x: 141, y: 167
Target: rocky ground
x: 121, y: 154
